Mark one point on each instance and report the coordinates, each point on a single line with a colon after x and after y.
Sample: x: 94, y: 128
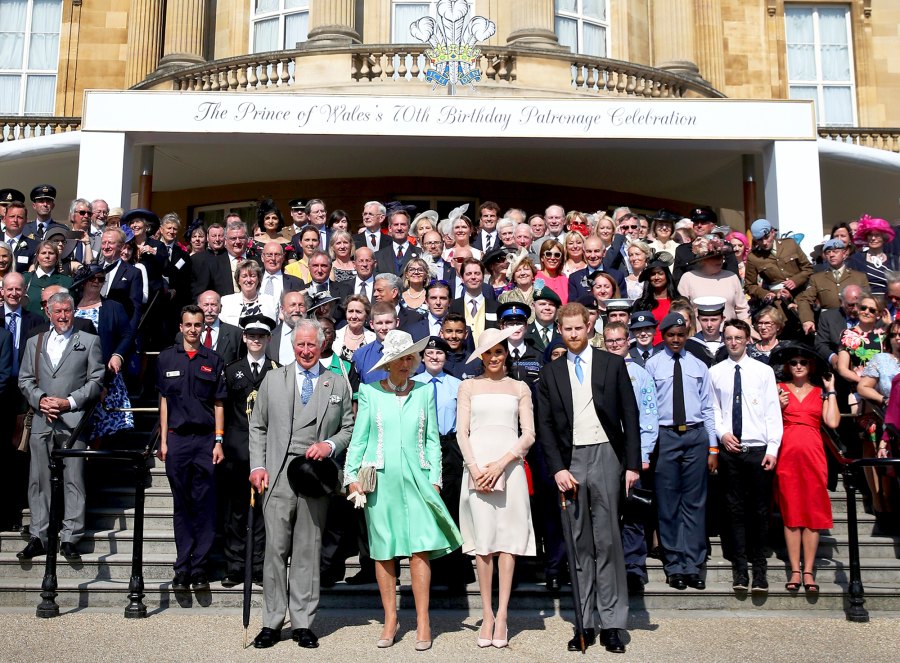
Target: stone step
x: 106, y: 517
x: 657, y: 596
x: 103, y: 542
x: 157, y: 497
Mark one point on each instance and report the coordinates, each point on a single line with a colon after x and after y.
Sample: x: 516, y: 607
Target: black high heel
x: 810, y: 587
x: 793, y: 586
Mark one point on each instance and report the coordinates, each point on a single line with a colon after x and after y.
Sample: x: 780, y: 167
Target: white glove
x: 358, y: 499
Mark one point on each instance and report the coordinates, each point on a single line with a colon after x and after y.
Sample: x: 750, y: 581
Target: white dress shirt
x: 761, y: 410
x: 377, y: 237
x: 285, y: 346
x: 214, y: 332
x: 277, y: 280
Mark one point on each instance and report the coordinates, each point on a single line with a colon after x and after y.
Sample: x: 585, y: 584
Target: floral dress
x: 105, y: 420
x: 862, y: 347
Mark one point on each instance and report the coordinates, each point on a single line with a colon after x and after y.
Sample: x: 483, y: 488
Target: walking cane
x: 569, y: 537
x: 248, y: 565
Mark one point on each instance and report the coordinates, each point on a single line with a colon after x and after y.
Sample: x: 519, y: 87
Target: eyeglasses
x: 552, y: 254
x: 98, y: 279
x: 798, y: 362
x: 762, y: 323
x: 867, y: 309
x: 415, y: 270
x: 628, y: 227
x: 82, y: 212
x: 895, y: 335
x: 434, y: 242
x: 611, y: 341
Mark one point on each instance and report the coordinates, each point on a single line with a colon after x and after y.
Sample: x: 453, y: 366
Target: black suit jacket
x: 128, y: 290
x: 684, y: 254
x: 418, y: 329
x: 25, y: 250
x: 116, y: 332
x: 387, y: 258
x: 214, y: 273
x: 359, y: 240
x: 613, y: 401
x: 578, y: 287
x: 832, y: 324
x: 295, y: 241
x: 240, y: 383
x: 6, y: 362
x: 30, y: 228
x: 478, y: 243
x: 533, y: 335
x: 178, y: 271
x: 230, y: 344
x: 613, y: 258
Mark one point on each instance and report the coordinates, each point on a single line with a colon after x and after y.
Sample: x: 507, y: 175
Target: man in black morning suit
x: 242, y: 379
x: 588, y: 441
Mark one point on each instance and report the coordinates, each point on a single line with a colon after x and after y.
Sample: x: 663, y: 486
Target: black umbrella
x: 569, y: 536
x: 248, y: 564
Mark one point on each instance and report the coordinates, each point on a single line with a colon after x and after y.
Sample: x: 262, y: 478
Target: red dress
x: 801, y: 475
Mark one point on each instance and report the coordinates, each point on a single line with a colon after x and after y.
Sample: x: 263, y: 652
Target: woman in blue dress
x: 116, y: 342
x: 396, y: 438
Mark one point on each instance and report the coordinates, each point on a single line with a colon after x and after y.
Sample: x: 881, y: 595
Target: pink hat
x: 867, y: 225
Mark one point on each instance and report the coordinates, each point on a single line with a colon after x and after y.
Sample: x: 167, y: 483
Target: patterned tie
x: 307, y: 387
x: 579, y: 372
x: 372, y: 240
x: 270, y: 286
x: 737, y: 414
x: 207, y: 340
x: 488, y: 242
x: 11, y: 328
x: 474, y: 304
x: 399, y: 253
x: 544, y: 336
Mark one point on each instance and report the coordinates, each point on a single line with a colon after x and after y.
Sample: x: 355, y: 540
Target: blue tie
x: 11, y: 328
x: 307, y: 387
x: 579, y: 372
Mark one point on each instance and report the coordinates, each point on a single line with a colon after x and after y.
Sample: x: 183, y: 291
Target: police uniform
x: 191, y: 387
x: 242, y: 384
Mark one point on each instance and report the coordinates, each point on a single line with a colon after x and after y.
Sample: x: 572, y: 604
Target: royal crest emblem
x: 453, y: 56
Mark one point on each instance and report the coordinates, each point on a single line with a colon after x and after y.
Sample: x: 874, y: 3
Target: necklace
x: 411, y: 295
x: 395, y: 388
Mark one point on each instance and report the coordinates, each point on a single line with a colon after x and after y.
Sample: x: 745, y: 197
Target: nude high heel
x: 384, y: 643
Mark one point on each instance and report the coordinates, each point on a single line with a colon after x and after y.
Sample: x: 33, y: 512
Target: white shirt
x: 377, y: 236
x: 487, y: 238
x: 110, y: 277
x: 370, y: 283
x: 434, y: 325
x: 214, y: 330
x: 761, y: 411
x: 256, y: 362
x: 6, y: 311
x: 285, y: 346
x: 277, y: 280
x: 56, y: 344
x: 520, y: 347
x: 397, y: 247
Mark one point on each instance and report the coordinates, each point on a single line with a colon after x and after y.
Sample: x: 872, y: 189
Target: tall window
x: 820, y: 61
x: 404, y: 12
x: 582, y: 26
x: 277, y: 25
x: 29, y: 55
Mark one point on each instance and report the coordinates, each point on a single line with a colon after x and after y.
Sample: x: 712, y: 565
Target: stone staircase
x: 100, y: 579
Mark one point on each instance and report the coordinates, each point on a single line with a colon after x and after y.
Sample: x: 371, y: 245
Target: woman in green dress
x: 396, y: 433
x: 46, y: 272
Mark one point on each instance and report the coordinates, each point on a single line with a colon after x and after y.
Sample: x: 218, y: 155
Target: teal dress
x: 405, y: 514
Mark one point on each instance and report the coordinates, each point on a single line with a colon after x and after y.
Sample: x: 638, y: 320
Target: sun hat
x: 489, y: 338
x: 398, y: 344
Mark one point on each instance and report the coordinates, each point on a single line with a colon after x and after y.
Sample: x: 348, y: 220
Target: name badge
x: 180, y: 263
x: 173, y: 374
x: 22, y: 259
x: 206, y: 369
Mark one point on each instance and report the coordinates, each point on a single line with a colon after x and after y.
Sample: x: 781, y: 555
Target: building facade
x: 841, y: 55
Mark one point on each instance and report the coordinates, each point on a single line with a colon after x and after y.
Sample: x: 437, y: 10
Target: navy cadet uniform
x: 687, y: 435
x: 191, y: 387
x: 242, y: 382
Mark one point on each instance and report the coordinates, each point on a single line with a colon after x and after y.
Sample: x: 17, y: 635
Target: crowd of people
x: 427, y: 388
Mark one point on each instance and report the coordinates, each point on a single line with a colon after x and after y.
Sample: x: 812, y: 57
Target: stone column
x: 673, y: 25
x: 145, y: 21
x: 104, y: 167
x: 710, y: 42
x: 793, y: 188
x: 332, y: 23
x: 185, y: 33
x: 532, y: 24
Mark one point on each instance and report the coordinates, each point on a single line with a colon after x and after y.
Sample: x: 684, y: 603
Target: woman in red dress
x: 801, y: 475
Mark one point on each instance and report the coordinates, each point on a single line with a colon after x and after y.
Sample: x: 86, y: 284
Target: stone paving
x: 95, y: 636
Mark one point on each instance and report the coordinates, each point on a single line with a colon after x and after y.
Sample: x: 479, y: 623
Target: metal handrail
x: 138, y: 457
x: 856, y: 610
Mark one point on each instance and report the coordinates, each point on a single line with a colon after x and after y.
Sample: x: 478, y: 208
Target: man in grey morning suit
x: 302, y: 409
x: 67, y: 382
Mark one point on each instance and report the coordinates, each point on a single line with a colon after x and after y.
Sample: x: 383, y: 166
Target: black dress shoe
x: 305, y: 638
x: 181, y: 582
x: 676, y: 581
x: 590, y: 638
x: 267, y: 637
x: 33, y: 549
x: 553, y: 584
x: 232, y: 580
x: 328, y: 580
x: 68, y: 551
x: 635, y: 585
x: 361, y: 578
x: 695, y: 581
x: 200, y: 581
x: 611, y: 638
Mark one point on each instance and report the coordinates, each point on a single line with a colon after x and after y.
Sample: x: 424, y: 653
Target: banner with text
x: 286, y: 114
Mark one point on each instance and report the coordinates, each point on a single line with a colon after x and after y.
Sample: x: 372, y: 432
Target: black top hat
x: 313, y: 478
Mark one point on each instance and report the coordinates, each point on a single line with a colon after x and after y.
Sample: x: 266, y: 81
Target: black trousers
x: 747, y: 489
x: 235, y: 483
x: 453, y: 569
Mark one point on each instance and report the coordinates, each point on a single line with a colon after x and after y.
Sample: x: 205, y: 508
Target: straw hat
x: 398, y: 344
x: 489, y: 338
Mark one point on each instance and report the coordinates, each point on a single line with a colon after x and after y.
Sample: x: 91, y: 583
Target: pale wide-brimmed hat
x: 398, y: 344
x: 489, y: 338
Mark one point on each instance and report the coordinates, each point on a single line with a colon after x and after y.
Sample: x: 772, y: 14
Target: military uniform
x: 234, y: 486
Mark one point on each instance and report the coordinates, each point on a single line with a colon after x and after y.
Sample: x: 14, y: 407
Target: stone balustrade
x: 882, y: 139
x: 15, y: 127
